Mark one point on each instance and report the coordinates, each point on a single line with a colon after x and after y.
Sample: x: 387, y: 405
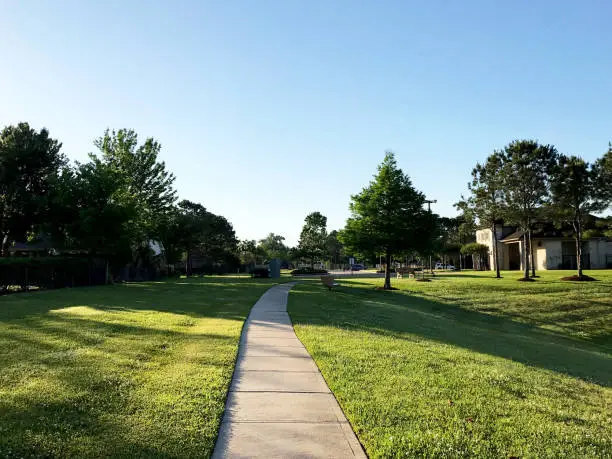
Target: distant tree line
x: 315, y: 246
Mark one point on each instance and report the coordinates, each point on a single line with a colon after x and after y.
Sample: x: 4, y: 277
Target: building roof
x: 513, y: 237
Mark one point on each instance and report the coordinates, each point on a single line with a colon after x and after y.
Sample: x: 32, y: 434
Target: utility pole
x: 429, y: 202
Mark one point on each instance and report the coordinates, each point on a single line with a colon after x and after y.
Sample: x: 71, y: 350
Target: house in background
x: 553, y: 248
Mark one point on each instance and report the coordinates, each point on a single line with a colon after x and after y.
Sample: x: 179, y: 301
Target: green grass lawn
x: 136, y: 370
x: 467, y: 365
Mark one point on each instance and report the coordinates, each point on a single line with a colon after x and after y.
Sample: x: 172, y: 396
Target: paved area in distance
x: 279, y: 404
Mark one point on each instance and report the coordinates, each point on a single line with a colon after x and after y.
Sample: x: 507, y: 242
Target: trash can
x: 274, y: 267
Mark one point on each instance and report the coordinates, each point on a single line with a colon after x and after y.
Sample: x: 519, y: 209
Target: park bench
x: 328, y: 281
x: 401, y: 271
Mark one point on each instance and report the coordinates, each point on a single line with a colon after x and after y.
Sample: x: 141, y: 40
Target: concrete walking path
x: 279, y: 404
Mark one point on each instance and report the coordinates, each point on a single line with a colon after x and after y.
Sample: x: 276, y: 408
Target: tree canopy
x: 486, y: 201
x: 117, y: 205
x: 144, y: 178
x: 273, y: 246
x: 29, y: 165
x: 388, y: 216
x: 525, y: 175
x: 575, y: 195
x: 313, y: 238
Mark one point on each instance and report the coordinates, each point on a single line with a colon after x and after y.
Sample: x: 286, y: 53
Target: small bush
x: 261, y: 271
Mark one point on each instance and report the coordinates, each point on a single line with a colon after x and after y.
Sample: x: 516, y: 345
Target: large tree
x: 388, y: 216
x: 250, y: 253
x: 486, y: 199
x: 334, y: 247
x: 525, y: 175
x: 95, y: 216
x: 274, y: 247
x: 202, y: 231
x: 313, y: 238
x: 144, y: 178
x: 191, y: 226
x: 603, y: 172
x: 29, y: 163
x: 575, y: 195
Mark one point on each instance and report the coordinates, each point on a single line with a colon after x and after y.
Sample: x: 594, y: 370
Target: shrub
x: 261, y: 271
x: 50, y: 272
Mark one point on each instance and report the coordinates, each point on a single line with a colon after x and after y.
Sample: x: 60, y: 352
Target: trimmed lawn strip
x: 459, y: 368
x: 135, y: 370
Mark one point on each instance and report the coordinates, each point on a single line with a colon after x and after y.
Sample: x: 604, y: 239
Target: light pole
x: 429, y: 203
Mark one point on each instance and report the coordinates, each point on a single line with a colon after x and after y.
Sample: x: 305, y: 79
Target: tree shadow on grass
x: 77, y: 428
x: 227, y: 298
x: 90, y: 372
x: 88, y: 358
x: 400, y: 314
x: 550, y: 307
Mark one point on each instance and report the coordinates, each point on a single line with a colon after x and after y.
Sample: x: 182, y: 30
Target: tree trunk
x: 525, y: 255
x: 5, y: 246
x: 188, y: 265
x: 578, y: 227
x: 495, y: 255
x: 532, y: 257
x: 387, y: 285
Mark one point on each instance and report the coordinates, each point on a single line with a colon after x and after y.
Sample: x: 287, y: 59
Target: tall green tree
x: 218, y: 243
x: 487, y: 197
x: 575, y: 195
x: 29, y: 163
x: 603, y: 172
x: 251, y: 253
x: 97, y: 218
x: 191, y: 226
x: 334, y: 248
x: 170, y: 235
x: 212, y: 236
x: 145, y: 179
x: 388, y: 216
x: 526, y: 171
x: 274, y: 247
x: 313, y: 238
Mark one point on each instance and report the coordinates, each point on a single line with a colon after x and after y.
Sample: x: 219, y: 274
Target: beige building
x: 552, y: 249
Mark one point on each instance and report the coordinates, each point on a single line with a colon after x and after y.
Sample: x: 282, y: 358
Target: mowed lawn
x: 467, y: 365
x: 136, y: 370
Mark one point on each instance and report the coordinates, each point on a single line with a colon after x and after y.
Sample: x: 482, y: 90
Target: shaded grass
x: 459, y: 367
x: 136, y: 370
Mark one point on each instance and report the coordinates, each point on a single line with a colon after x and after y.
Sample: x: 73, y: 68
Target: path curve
x: 279, y: 404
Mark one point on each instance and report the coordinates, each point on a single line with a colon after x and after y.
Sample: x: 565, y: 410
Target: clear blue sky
x: 268, y: 110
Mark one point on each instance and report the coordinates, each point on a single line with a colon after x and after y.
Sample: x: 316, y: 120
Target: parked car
x: 357, y: 267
